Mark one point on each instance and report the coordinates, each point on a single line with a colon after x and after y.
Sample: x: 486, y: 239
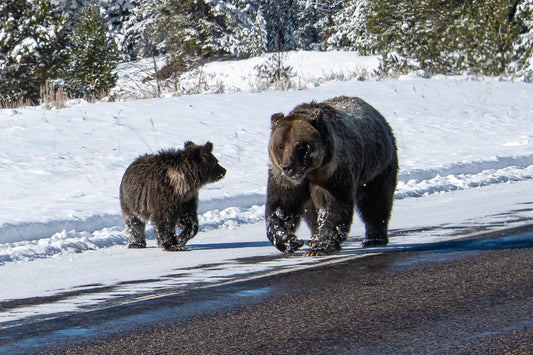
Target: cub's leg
x: 374, y: 201
x: 166, y: 236
x: 187, y: 216
x: 135, y: 230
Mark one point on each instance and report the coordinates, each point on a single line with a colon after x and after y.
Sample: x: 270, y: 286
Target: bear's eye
x: 303, y: 147
x: 280, y: 147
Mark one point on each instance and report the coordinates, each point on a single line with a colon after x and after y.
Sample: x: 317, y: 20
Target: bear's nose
x: 287, y: 169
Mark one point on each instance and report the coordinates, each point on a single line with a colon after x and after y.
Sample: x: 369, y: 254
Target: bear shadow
x: 234, y: 245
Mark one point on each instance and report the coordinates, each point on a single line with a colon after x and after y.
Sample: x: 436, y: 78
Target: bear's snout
x: 221, y: 172
x: 287, y: 169
x: 292, y: 172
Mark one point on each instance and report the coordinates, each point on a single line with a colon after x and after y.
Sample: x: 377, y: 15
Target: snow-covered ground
x: 307, y: 70
x: 465, y: 149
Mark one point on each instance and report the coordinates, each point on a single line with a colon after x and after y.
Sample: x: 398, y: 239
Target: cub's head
x: 297, y: 145
x: 207, y: 167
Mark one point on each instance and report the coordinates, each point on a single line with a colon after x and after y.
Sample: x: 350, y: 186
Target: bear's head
x: 208, y: 168
x: 298, y: 145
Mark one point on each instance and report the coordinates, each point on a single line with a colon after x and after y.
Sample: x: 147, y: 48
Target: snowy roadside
x: 66, y: 283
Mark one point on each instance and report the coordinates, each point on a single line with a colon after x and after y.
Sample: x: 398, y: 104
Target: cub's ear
x: 274, y: 120
x: 188, y: 144
x: 208, y: 147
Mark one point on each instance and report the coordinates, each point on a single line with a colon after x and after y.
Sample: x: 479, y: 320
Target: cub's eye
x: 280, y: 147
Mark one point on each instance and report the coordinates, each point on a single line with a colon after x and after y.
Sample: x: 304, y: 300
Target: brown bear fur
x: 325, y: 160
x: 163, y: 188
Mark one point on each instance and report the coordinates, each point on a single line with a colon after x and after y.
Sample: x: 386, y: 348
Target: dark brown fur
x: 163, y: 188
x: 326, y: 160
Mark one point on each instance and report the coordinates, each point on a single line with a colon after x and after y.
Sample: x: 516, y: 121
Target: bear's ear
x: 316, y: 115
x: 274, y: 120
x: 188, y: 144
x: 208, y: 147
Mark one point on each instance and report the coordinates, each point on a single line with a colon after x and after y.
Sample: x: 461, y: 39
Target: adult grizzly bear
x: 163, y: 188
x: 325, y: 159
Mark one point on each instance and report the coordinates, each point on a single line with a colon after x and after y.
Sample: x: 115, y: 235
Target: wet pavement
x: 473, y: 295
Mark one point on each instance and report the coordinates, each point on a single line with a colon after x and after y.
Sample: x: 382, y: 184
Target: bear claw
x: 315, y: 253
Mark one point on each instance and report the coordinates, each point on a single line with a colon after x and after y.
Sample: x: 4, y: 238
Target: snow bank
x: 307, y: 70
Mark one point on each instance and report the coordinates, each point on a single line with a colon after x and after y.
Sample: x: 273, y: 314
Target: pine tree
x: 133, y: 24
x: 257, y: 38
x: 243, y: 27
x: 450, y: 37
x: 33, y: 48
x: 499, y: 50
x: 93, y: 56
x: 350, y: 30
x: 523, y: 66
x: 282, y: 24
x: 189, y: 28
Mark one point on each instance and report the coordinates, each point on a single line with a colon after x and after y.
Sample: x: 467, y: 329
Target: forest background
x: 71, y: 47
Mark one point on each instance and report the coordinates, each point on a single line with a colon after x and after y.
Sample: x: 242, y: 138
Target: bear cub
x: 163, y: 188
x: 325, y: 160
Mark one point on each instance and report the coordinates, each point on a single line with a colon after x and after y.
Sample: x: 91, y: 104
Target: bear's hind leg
x: 135, y: 230
x: 374, y: 202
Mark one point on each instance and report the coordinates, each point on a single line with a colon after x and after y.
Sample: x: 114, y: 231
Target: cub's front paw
x: 136, y: 245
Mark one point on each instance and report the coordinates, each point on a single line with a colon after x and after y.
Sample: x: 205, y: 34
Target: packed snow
x: 465, y: 150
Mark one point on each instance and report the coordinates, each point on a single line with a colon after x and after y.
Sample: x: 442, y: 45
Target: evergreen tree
x: 196, y: 31
x: 308, y: 31
x: 244, y: 28
x: 412, y: 34
x: 449, y: 37
x: 257, y: 37
x: 350, y: 30
x: 524, y: 65
x: 190, y: 29
x: 282, y: 24
x: 93, y: 56
x: 133, y: 24
x: 33, y: 48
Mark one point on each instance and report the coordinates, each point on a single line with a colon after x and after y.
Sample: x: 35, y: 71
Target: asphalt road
x: 473, y: 296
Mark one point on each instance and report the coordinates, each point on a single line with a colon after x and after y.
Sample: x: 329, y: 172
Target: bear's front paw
x: 322, y: 249
x: 371, y: 243
x: 173, y: 247
x: 289, y: 244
